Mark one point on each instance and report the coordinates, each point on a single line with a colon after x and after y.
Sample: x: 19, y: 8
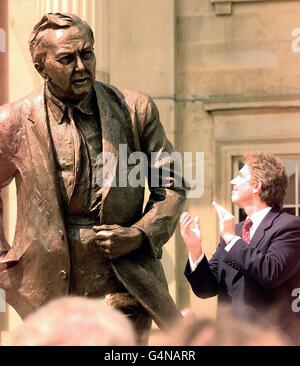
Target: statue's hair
x: 52, y: 21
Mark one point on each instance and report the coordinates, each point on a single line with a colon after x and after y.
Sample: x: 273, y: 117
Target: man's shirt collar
x: 258, y: 216
x: 60, y: 109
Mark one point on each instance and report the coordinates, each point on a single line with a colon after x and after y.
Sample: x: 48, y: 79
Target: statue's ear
x: 41, y: 70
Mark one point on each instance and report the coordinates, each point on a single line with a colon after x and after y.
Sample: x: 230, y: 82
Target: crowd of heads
x: 75, y: 321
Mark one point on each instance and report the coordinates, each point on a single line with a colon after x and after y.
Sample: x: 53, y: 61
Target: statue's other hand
x: 115, y: 241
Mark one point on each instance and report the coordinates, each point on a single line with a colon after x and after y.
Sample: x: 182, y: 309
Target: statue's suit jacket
x: 36, y: 267
x: 255, y: 281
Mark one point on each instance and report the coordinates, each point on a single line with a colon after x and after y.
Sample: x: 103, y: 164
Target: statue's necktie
x: 82, y: 167
x: 77, y: 140
x: 246, y: 230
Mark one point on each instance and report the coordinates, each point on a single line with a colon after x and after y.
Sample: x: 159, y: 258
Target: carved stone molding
x: 275, y: 102
x: 224, y: 7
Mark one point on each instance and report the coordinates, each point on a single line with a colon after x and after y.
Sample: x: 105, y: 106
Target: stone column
x: 22, y: 78
x: 3, y: 100
x: 3, y: 52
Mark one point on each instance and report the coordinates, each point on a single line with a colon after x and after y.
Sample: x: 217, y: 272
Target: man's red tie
x: 246, y: 230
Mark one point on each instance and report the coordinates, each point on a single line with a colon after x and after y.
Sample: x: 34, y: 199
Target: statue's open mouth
x: 81, y: 81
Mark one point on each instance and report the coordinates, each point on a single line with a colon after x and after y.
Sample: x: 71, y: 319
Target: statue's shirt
x: 76, y: 133
x: 77, y: 140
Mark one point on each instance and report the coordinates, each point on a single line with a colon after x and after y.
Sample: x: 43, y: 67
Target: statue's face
x: 70, y: 62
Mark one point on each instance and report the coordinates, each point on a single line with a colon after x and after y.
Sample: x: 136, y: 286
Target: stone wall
x: 237, y: 89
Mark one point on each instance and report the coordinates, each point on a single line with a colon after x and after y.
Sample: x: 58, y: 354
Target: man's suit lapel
x: 110, y: 138
x: 113, y: 134
x: 41, y: 142
x: 239, y: 228
x: 37, y: 125
x: 264, y: 225
x: 41, y: 167
x: 260, y: 231
x: 258, y: 235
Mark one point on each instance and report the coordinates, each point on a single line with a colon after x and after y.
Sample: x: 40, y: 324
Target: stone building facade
x: 224, y: 73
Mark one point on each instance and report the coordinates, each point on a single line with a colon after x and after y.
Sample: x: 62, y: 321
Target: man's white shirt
x: 256, y: 218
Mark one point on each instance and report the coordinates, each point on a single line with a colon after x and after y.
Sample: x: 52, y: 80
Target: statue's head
x: 62, y: 49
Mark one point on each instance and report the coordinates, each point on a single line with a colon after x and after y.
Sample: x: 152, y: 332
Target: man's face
x: 70, y: 62
x: 243, y: 187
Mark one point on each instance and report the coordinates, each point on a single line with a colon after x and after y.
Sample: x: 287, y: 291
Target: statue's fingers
x: 103, y: 244
x: 103, y: 234
x: 105, y: 227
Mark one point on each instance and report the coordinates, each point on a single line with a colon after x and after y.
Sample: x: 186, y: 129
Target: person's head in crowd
x: 194, y: 331
x: 75, y: 321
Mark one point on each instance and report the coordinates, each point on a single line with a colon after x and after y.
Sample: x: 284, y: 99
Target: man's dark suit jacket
x: 256, y: 279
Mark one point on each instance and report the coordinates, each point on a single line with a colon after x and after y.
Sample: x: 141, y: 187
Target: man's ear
x: 40, y: 69
x: 257, y: 186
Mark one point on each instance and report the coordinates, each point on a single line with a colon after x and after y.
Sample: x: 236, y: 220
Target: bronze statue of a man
x: 75, y: 235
